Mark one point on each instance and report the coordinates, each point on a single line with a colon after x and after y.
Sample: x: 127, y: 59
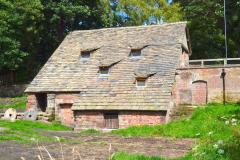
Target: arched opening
x: 199, y: 92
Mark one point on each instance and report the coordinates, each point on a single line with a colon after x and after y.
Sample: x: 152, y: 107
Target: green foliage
x: 139, y: 12
x: 126, y: 156
x: 203, y: 121
x: 89, y: 131
x: 18, y: 30
x: 27, y: 131
x: 31, y: 30
x: 216, y: 126
x: 206, y: 23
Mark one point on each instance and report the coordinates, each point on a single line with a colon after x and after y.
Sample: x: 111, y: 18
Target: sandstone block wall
x: 195, y: 85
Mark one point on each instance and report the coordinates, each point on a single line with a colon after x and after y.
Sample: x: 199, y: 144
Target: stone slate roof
x: 161, y: 47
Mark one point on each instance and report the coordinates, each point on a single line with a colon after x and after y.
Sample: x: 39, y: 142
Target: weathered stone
x: 31, y: 114
x: 10, y: 114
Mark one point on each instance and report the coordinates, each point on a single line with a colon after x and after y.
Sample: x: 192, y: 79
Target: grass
x: 13, y: 102
x: 216, y: 126
x: 89, y: 132
x: 26, y: 131
x: 126, y: 156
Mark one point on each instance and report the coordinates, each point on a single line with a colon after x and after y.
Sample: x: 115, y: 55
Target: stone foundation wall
x: 195, y: 85
x: 95, y: 119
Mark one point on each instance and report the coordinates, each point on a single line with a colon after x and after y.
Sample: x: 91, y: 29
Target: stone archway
x: 199, y: 92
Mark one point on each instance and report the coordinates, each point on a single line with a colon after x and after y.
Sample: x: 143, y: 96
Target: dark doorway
x: 42, y: 101
x: 111, y: 120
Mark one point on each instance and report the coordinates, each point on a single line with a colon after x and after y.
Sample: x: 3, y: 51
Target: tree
x: 233, y: 15
x: 139, y: 12
x: 64, y: 16
x: 30, y: 30
x: 19, y: 22
x: 206, y: 24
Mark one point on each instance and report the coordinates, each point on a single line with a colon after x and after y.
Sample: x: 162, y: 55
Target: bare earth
x: 96, y: 147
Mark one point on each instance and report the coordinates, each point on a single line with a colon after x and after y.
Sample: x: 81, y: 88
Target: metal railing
x: 214, y: 62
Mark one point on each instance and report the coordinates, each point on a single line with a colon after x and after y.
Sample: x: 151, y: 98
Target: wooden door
x: 199, y: 93
x: 66, y: 114
x: 111, y: 120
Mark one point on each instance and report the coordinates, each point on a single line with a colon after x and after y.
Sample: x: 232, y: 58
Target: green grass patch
x: 89, y: 132
x: 205, y: 121
x: 126, y: 156
x: 216, y: 126
x: 27, y: 131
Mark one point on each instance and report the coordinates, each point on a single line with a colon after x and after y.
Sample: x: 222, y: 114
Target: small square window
x: 104, y: 71
x: 85, y: 55
x: 141, y: 82
x: 135, y: 53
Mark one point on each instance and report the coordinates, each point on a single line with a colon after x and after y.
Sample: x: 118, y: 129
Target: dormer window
x: 141, y: 82
x: 85, y: 55
x: 135, y: 53
x: 103, y: 71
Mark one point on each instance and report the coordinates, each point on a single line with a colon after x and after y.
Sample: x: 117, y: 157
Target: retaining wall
x: 195, y: 86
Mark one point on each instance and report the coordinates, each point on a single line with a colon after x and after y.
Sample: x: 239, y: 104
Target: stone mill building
x: 118, y: 77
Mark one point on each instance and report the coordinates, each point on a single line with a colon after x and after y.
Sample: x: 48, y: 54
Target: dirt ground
x: 95, y: 147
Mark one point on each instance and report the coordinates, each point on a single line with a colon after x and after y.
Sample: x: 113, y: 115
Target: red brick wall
x: 95, y: 119
x: 134, y: 118
x: 61, y: 100
x: 89, y: 119
x: 66, y: 115
x: 183, y: 91
x: 31, y: 101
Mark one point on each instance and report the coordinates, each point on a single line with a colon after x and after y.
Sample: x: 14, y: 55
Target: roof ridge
x: 129, y: 27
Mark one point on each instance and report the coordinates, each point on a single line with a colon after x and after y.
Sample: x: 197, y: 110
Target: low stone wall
x: 196, y: 86
x: 12, y: 90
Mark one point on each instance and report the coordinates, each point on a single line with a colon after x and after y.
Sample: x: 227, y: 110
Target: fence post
x: 225, y: 62
x: 202, y: 63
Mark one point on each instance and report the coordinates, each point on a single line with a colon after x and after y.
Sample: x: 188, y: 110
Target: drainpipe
x: 223, y: 74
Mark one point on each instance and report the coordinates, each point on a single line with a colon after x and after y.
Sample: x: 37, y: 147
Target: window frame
x: 104, y: 74
x: 135, y: 53
x: 141, y: 80
x: 84, y: 58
